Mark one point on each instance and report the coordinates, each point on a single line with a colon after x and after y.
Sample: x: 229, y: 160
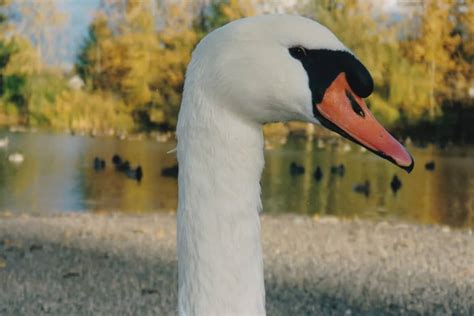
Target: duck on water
x: 249, y: 72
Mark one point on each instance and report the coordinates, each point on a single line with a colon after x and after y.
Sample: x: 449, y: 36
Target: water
x: 57, y: 176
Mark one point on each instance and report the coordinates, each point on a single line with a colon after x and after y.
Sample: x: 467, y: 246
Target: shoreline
x: 273, y: 132
x: 126, y: 264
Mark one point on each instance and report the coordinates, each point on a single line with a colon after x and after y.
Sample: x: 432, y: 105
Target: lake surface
x: 57, y: 175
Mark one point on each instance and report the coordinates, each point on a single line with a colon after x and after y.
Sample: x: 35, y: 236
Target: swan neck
x: 219, y: 250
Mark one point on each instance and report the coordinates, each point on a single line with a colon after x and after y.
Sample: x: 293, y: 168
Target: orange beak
x: 342, y: 111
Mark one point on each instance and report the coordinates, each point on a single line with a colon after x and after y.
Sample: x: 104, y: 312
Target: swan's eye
x: 298, y: 52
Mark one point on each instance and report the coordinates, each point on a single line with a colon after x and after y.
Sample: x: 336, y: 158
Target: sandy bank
x: 126, y: 265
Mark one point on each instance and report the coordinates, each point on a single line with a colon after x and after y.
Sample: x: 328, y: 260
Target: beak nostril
x: 355, y: 106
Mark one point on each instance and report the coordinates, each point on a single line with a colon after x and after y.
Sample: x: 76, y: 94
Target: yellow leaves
x: 236, y: 9
x: 436, y: 41
x: 3, y: 264
x: 24, y: 60
x: 435, y: 48
x: 100, y: 26
x: 157, y: 116
x: 139, y: 57
x: 138, y: 17
x: 409, y: 89
x: 417, y: 63
x: 80, y: 110
x: 385, y: 112
x: 129, y: 55
x: 140, y: 94
x: 177, y: 16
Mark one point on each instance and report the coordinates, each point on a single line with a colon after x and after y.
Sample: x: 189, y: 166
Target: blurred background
x: 83, y: 80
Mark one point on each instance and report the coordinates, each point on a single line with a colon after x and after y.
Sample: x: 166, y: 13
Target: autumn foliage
x: 134, y: 58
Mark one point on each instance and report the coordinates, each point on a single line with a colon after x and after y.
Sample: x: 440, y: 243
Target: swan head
x: 285, y: 67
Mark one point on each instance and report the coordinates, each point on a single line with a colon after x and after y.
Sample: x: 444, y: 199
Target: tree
x: 117, y: 56
x: 464, y: 55
x: 220, y: 12
x: 18, y: 60
x: 176, y: 38
x: 140, y: 56
x: 41, y: 22
x: 91, y: 60
x: 434, y: 47
x: 398, y: 60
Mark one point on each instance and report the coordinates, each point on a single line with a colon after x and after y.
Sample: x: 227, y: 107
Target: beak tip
x: 410, y: 167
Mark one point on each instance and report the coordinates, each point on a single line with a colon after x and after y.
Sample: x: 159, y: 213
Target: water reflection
x: 58, y: 175
x: 445, y: 195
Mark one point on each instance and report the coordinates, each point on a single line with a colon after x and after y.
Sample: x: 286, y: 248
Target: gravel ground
x: 87, y: 264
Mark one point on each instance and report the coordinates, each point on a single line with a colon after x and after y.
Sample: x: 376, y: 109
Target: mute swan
x: 248, y: 72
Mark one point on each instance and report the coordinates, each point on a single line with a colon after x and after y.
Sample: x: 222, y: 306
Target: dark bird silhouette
x: 318, y: 174
x: 362, y: 188
x: 139, y: 173
x: 99, y: 164
x: 296, y: 169
x: 430, y: 166
x: 338, y: 170
x: 96, y: 163
x: 124, y: 166
x: 121, y: 164
x: 116, y: 159
x: 395, y: 184
x: 135, y: 174
x: 170, y: 171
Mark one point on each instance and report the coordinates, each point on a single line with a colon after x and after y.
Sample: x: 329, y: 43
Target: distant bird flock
x: 120, y: 165
x: 363, y: 188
